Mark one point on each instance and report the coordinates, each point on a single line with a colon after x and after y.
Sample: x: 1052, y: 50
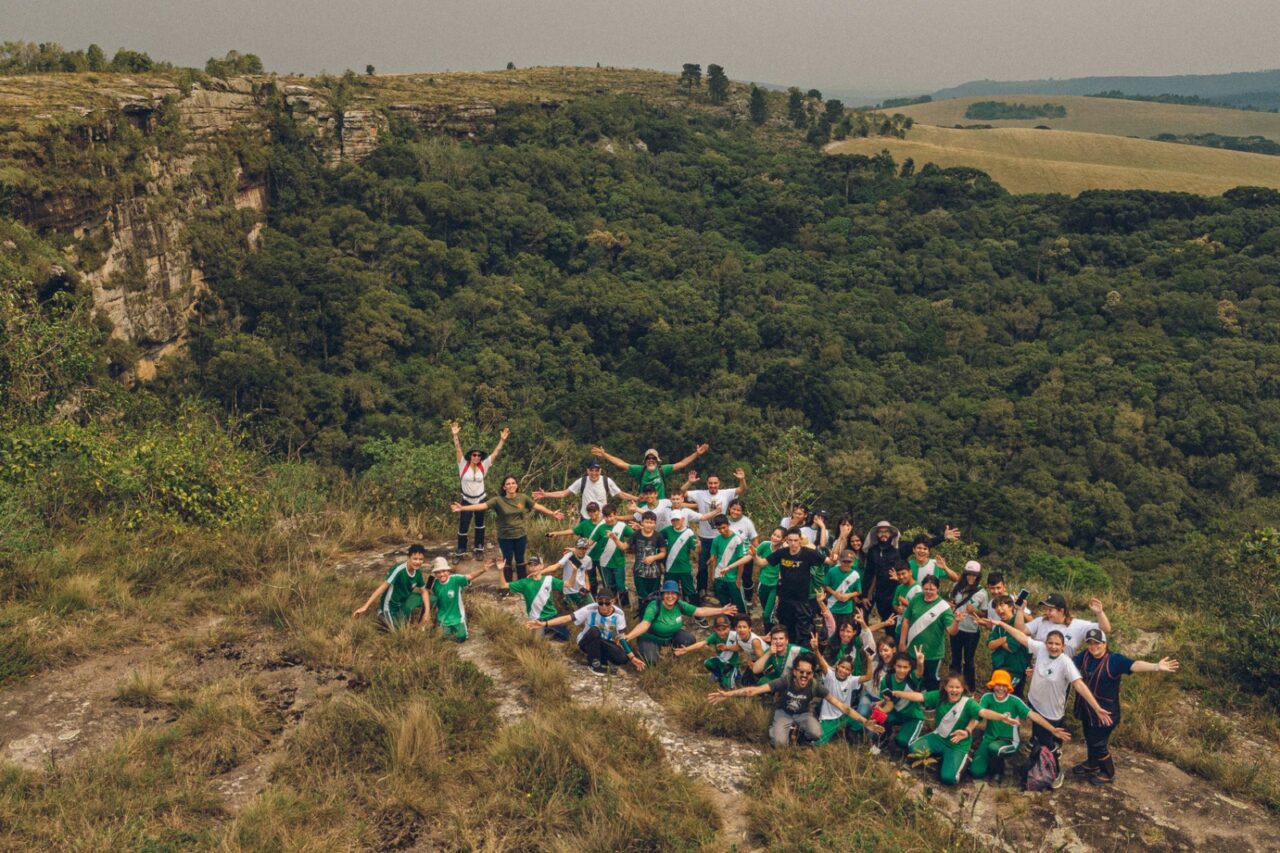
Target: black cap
x: 1054, y: 599
x: 1095, y: 635
x: 593, y: 463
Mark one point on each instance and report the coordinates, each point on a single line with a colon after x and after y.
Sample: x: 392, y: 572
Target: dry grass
x: 681, y: 685
x: 1113, y: 116
x: 1042, y: 161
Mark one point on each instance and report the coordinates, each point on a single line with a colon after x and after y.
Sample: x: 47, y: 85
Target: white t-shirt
x: 706, y: 503
x: 995, y: 617
x: 809, y: 533
x: 574, y: 581
x: 610, y: 626
x: 979, y: 602
x: 1072, y: 635
x: 591, y: 490
x: 472, y: 479
x: 842, y: 690
x: 755, y: 646
x: 662, y: 510
x: 1050, y: 680
x: 745, y: 528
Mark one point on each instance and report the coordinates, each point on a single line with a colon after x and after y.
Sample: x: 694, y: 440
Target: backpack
x: 1043, y: 771
x: 604, y: 478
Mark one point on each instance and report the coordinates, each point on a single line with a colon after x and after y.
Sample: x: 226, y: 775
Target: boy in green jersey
x: 843, y: 585
x: 723, y: 663
x: 730, y: 551
x: 587, y: 528
x: 446, y: 597
x: 1004, y: 712
x: 1006, y: 652
x: 901, y: 712
x: 611, y: 556
x: 400, y: 594
x: 653, y: 472
x: 536, y: 590
x: 682, y: 552
x: 906, y: 589
x: 782, y: 653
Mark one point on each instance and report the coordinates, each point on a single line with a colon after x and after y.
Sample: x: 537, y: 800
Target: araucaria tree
x: 759, y: 105
x: 691, y: 76
x: 717, y: 84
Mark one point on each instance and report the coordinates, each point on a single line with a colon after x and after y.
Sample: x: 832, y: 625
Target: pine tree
x: 717, y: 84
x: 759, y: 105
x: 691, y: 76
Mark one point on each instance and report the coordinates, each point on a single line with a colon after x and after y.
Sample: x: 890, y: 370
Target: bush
x: 1067, y: 573
x: 410, y: 476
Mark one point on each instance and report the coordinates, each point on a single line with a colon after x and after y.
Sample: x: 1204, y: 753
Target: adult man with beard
x: 881, y: 551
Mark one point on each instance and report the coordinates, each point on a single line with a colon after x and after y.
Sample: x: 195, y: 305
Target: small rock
x: 69, y: 735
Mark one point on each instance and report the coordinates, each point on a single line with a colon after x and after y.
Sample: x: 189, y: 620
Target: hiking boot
x: 597, y: 667
x: 1084, y: 769
x: 477, y: 554
x: 1101, y: 781
x: 701, y: 622
x: 459, y: 556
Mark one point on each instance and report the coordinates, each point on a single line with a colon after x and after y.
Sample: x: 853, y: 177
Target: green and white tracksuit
x: 952, y: 717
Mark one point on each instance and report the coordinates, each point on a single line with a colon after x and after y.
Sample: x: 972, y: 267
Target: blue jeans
x: 513, y: 552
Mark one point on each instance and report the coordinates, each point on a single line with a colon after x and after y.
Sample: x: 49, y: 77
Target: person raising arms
x: 709, y: 502
x: 1102, y: 670
x: 793, y: 705
x: 511, y: 508
x: 881, y: 551
x: 1057, y: 617
x: 472, y: 467
x: 652, y: 472
x: 842, y: 685
x: 1004, y: 712
x: 663, y: 622
x: 591, y: 486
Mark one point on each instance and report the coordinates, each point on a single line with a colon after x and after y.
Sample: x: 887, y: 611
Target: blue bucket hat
x: 671, y: 586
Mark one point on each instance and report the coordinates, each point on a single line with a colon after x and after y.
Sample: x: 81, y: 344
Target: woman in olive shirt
x: 511, y: 508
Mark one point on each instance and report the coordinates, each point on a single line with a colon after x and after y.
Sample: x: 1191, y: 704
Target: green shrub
x: 1073, y: 573
x: 409, y: 476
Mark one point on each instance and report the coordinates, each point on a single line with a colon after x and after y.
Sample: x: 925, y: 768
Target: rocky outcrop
x: 466, y: 119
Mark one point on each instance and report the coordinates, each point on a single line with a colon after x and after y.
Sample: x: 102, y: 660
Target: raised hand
x: 919, y: 652
x: 950, y: 533
x: 455, y: 428
x: 702, y: 449
x: 1095, y: 604
x: 506, y: 431
x: 1167, y: 665
x: 740, y: 473
x: 597, y: 451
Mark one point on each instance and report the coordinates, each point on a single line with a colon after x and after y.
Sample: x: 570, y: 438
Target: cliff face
x: 140, y: 267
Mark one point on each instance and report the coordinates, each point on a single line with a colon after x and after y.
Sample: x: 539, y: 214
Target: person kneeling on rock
x: 793, y: 703
x: 601, y: 637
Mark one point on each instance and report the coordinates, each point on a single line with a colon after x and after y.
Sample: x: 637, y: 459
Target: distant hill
x: 1025, y: 160
x: 1143, y: 119
x: 1257, y: 88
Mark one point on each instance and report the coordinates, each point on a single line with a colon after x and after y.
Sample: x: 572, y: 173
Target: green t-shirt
x: 510, y: 512
x: 681, y: 565
x: 916, y: 567
x: 717, y: 550
x: 665, y: 623
x: 910, y: 710
x: 646, y: 477
x: 446, y: 599
x: 401, y: 585
x: 618, y: 559
x: 969, y: 709
x: 778, y: 664
x: 934, y: 638
x: 1012, y: 706
x: 903, y: 590
x: 1013, y: 660
x: 715, y: 641
x: 768, y: 574
x: 531, y: 588
x: 834, y: 579
x: 586, y: 530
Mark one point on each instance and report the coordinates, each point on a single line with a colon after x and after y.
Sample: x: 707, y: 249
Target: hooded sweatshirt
x: 879, y: 557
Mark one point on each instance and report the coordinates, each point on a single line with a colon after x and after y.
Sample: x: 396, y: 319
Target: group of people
x: 855, y: 630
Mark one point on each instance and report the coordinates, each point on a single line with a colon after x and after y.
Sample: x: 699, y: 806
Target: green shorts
x: 455, y: 632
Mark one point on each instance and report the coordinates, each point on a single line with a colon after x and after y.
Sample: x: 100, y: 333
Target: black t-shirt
x: 793, y: 700
x: 646, y: 546
x: 794, y: 572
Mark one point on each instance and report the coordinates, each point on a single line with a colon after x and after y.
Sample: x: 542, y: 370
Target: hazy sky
x: 875, y: 45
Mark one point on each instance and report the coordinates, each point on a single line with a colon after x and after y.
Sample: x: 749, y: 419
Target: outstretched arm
x: 1011, y: 630
x: 1042, y: 722
x: 721, y: 695
x: 1163, y: 665
x: 497, y: 448
x: 640, y: 629
x: 457, y: 507
x: 478, y: 572
x: 691, y: 458
x: 610, y: 458
x: 377, y: 594
x: 554, y: 513
x: 684, y: 650
x: 727, y: 610
x: 539, y: 494
x: 1095, y: 604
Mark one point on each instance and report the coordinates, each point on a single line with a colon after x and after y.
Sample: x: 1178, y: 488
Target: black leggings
x: 513, y: 554
x: 464, y: 522
x: 963, y: 647
x: 1097, y: 741
x: 1041, y: 737
x: 597, y: 648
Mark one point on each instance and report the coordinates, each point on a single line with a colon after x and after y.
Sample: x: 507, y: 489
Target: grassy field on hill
x: 1024, y: 160
x: 1108, y: 115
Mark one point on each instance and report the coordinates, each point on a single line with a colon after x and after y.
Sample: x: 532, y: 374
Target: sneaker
x: 1101, y: 781
x: 477, y: 554
x: 701, y: 622
x: 458, y: 556
x: 1057, y: 783
x: 597, y: 667
x: 1084, y: 769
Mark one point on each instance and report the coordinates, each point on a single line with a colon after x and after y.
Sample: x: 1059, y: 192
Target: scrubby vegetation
x: 995, y: 110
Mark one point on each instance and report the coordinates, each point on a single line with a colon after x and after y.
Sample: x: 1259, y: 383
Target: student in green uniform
x: 902, y: 713
x: 781, y: 655
x: 956, y: 718
x: 611, y: 540
x: 446, y: 597
x: 682, y: 551
x: 652, y: 472
x: 730, y: 551
x: 843, y: 585
x: 723, y: 663
x: 927, y: 622
x: 663, y: 622
x: 1004, y: 712
x: 400, y: 594
x: 923, y: 561
x: 1007, y: 653
x: 842, y: 684
x: 767, y: 580
x: 906, y: 589
x: 539, y: 603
